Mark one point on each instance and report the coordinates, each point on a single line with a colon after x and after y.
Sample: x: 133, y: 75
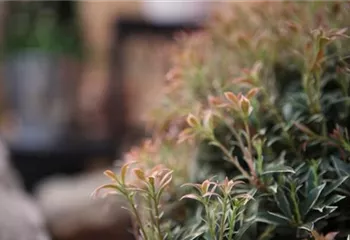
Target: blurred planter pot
x: 36, y: 94
x: 172, y: 12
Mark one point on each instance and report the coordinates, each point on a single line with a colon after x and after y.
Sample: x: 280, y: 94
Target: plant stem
x: 295, y: 205
x: 236, y: 135
x: 209, y: 220
x: 232, y: 221
x: 156, y: 212
x: 150, y: 210
x: 249, y: 160
x: 246, y: 126
x: 222, y: 224
x: 137, y: 216
x: 233, y: 160
x: 157, y: 215
x: 227, y: 153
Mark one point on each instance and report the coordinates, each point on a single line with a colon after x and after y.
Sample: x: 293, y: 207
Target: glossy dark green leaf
x: 273, y: 188
x: 273, y: 140
x: 243, y: 230
x: 333, y: 186
x: 307, y: 226
x: 311, y: 199
x: 272, y: 218
x: 315, y: 216
x: 341, y: 167
x: 283, y: 203
x: 278, y: 169
x: 334, y: 199
x: 301, y: 168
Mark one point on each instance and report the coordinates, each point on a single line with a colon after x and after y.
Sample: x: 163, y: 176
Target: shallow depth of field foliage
x: 251, y: 139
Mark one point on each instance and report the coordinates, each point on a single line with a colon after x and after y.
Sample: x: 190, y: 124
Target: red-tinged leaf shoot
x: 111, y: 175
x: 216, y: 102
x: 245, y: 106
x: 185, y: 135
x: 205, y: 186
x: 210, y: 194
x: 191, y: 196
x: 256, y: 70
x: 243, y: 81
x: 105, y: 186
x: 252, y: 93
x: 232, y: 98
x: 192, y: 121
x: 139, y: 173
x: 124, y: 170
x: 151, y: 180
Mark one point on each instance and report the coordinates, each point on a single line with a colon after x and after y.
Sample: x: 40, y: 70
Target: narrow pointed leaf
x: 243, y: 229
x: 278, y: 169
x: 316, y: 216
x: 274, y: 219
x: 311, y: 199
x: 334, y: 199
x: 283, y: 203
x: 111, y: 175
x: 166, y: 179
x: 341, y: 167
x: 308, y: 226
x: 191, y: 196
x: 124, y: 170
x: 106, y: 186
x: 334, y: 185
x: 195, y: 185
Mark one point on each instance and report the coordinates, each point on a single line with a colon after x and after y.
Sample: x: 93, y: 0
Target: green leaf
x: 333, y: 186
x: 283, y: 203
x: 214, y: 143
x: 318, y: 118
x: 316, y: 216
x: 129, y: 210
x: 302, y: 168
x: 191, y: 196
x: 278, y: 169
x: 243, y: 229
x: 272, y: 218
x: 311, y: 199
x: 341, y: 167
x: 304, y: 177
x: 273, y: 188
x: 328, y: 202
x: 311, y: 182
x: 308, y: 226
x: 167, y: 178
x: 273, y: 140
x: 334, y: 199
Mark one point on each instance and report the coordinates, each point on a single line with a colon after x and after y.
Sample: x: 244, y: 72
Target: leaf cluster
x: 262, y: 94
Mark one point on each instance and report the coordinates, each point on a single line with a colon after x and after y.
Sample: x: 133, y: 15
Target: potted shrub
x: 263, y: 95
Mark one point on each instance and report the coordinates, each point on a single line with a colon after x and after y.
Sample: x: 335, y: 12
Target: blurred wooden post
x: 97, y: 19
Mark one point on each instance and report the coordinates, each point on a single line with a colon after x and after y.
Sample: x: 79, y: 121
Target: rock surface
x: 73, y: 215
x: 20, y: 217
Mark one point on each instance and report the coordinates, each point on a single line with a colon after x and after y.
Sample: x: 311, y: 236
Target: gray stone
x: 20, y: 217
x: 72, y: 213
